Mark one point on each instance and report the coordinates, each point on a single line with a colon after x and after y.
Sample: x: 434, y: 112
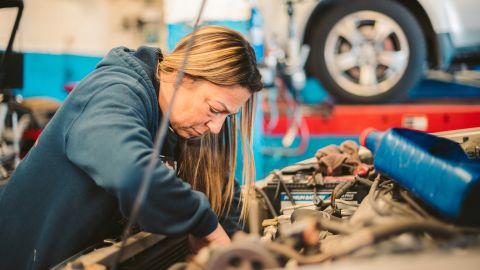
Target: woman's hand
x: 217, y: 237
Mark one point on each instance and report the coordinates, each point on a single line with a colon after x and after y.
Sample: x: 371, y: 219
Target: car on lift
x: 370, y: 51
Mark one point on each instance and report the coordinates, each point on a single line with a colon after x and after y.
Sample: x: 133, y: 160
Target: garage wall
x: 79, y: 26
x: 180, y: 16
x: 63, y: 40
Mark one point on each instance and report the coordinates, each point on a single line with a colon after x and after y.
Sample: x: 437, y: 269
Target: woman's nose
x: 215, y: 125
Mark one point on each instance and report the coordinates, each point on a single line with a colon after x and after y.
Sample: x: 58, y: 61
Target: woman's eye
x: 212, y: 110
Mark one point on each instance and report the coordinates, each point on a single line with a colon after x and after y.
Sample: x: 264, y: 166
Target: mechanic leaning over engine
x: 76, y: 187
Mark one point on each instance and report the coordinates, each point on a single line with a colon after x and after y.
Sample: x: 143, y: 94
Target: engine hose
x: 364, y: 181
x: 277, y: 191
x: 438, y: 229
x: 340, y: 190
x: 374, y: 234
x: 367, y: 237
x: 404, y: 194
x: 335, y: 226
x: 326, y: 221
x: 378, y: 193
x: 267, y: 201
x: 400, y: 208
x: 278, y: 176
x: 293, y: 254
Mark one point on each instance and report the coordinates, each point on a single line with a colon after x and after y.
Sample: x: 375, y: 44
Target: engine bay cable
x: 279, y: 178
x: 157, y: 147
x: 407, y: 198
x: 267, y: 201
x: 368, y: 236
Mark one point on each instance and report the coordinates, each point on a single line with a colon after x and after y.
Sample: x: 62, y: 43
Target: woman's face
x: 201, y: 106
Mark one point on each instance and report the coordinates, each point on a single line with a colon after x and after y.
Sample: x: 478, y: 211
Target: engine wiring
x: 404, y: 194
x: 361, y: 215
x: 358, y: 238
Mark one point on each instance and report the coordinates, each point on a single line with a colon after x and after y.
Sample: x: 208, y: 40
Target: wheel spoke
x: 368, y: 76
x: 348, y: 30
x: 392, y: 59
x: 367, y: 53
x: 381, y: 31
x: 346, y: 61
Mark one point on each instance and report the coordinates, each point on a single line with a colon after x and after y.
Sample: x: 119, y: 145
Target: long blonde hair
x: 221, y: 56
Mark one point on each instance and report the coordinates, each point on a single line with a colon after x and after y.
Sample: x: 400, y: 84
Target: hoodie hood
x: 143, y: 61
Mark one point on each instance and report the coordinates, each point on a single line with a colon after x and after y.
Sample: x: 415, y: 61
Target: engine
x: 335, y: 211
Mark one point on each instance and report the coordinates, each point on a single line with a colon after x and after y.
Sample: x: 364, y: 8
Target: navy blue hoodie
x: 77, y: 185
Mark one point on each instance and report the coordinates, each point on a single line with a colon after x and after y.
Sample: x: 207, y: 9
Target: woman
x: 77, y: 185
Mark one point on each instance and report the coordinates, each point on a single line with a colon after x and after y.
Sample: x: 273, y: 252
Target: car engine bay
x: 332, y: 211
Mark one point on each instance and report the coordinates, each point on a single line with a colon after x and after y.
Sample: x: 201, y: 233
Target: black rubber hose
x: 364, y: 181
x: 289, y: 194
x: 277, y: 191
x: 278, y: 176
x: 340, y: 190
x: 267, y: 201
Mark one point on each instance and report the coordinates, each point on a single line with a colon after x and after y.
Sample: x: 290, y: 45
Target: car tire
x: 367, y: 51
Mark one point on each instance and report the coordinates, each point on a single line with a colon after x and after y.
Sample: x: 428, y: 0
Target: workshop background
x: 60, y: 41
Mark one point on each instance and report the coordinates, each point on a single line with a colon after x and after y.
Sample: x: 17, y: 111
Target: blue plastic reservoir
x: 436, y: 170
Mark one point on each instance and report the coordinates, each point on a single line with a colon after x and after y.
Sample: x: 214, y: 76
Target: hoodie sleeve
x: 109, y: 141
